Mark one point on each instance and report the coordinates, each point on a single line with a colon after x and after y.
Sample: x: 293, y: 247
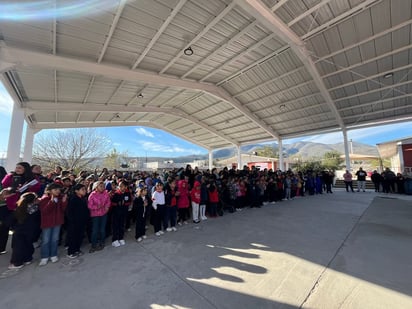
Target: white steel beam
x: 377, y: 112
x: 366, y: 104
x: 268, y: 82
x: 159, y: 32
x: 210, y: 25
x: 253, y: 64
x: 37, y: 59
x: 308, y: 12
x: 32, y: 106
x: 262, y: 13
x: 222, y: 47
x: 371, y: 77
x: 368, y: 39
x: 351, y: 67
x: 238, y: 56
x: 333, y: 22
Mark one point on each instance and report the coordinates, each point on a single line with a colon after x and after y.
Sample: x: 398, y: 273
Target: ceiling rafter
x: 209, y: 26
x: 157, y: 96
x: 106, y: 44
x: 272, y: 80
x: 308, y: 12
x: 309, y: 96
x: 351, y: 67
x: 238, y: 56
x: 335, y: 21
x: 278, y: 5
x: 360, y: 94
x: 378, y: 112
x: 261, y: 12
x: 258, y: 62
x: 173, y: 97
x: 281, y: 92
x: 368, y: 39
x: 116, y: 91
x: 371, y: 77
x: 222, y: 47
x: 366, y: 104
x: 159, y: 32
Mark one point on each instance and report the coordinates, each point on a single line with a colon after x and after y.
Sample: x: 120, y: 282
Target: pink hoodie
x: 99, y: 203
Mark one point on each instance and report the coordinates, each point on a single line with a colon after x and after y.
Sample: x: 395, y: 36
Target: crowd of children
x: 67, y: 209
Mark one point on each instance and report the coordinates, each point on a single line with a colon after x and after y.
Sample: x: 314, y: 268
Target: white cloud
x: 6, y: 102
x: 156, y: 147
x: 144, y: 132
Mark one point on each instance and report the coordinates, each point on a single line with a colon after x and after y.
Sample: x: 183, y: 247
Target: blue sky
x: 142, y: 141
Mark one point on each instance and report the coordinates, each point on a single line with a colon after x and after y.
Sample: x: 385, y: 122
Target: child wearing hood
x: 99, y: 204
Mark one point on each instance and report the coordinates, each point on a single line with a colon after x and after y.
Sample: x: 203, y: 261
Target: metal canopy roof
x: 259, y: 70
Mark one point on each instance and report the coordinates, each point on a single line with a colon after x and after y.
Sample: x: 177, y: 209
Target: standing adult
x: 376, y: 179
x: 347, y: 178
x: 15, y: 183
x: 361, y: 179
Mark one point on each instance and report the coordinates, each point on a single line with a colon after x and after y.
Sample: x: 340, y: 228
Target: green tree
x: 332, y: 160
x: 267, y: 151
x: 74, y: 149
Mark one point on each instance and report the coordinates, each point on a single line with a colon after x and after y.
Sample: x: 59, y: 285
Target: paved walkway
x: 343, y: 250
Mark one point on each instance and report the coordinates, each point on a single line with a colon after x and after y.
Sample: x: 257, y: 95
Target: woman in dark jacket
x: 78, y: 217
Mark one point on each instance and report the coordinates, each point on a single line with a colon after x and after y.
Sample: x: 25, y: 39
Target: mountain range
x: 304, y: 150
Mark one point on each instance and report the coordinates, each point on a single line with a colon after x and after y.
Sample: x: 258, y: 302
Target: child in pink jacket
x: 99, y: 204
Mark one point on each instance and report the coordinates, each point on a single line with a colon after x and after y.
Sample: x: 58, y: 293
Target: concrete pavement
x: 342, y: 250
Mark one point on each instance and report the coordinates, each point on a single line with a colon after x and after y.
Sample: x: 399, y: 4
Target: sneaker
x: 12, y: 266
x: 144, y: 236
x: 122, y: 242
x: 28, y: 262
x: 174, y: 229
x: 43, y: 261
x: 204, y: 218
x: 185, y: 222
x: 179, y: 223
x: 93, y: 249
x: 161, y: 232
x: 79, y: 253
x: 158, y: 233
x: 139, y: 239
x: 196, y: 221
x: 72, y: 256
x: 116, y: 244
x: 169, y: 229
x: 54, y: 259
x: 3, y: 252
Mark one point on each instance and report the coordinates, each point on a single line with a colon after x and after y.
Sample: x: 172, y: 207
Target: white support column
x: 239, y: 158
x: 15, y: 138
x: 28, y: 144
x: 346, y: 145
x: 210, y: 160
x: 281, y: 167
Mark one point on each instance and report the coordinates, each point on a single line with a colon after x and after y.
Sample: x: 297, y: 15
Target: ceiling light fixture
x: 188, y: 51
x: 282, y: 107
x: 117, y: 115
x: 388, y: 75
x: 140, y: 96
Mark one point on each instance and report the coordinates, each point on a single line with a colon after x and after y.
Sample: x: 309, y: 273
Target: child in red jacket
x: 195, y: 198
x: 213, y: 200
x: 52, y: 207
x: 121, y: 200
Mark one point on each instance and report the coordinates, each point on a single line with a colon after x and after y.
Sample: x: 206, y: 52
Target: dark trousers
x: 75, y: 235
x: 377, y: 186
x: 118, y: 222
x: 213, y: 209
x: 22, y: 245
x: 171, y: 212
x: 5, y: 218
x: 140, y: 222
x: 349, y: 184
x: 159, y: 218
x: 183, y: 214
